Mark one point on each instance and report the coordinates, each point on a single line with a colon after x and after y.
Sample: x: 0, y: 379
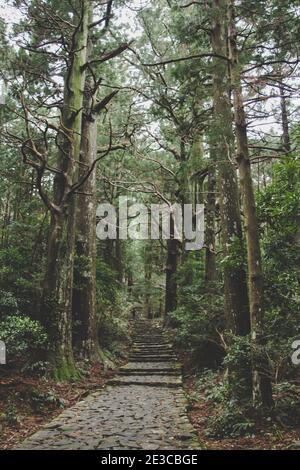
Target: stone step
x: 144, y: 347
x: 152, y: 355
x: 152, y: 341
x: 153, y: 365
x: 151, y: 345
x: 152, y: 381
x: 149, y: 335
x: 151, y: 359
x: 146, y: 372
x: 145, y: 355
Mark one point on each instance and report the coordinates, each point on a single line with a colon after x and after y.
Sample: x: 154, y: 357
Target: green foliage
x: 211, y: 385
x: 229, y: 422
x: 236, y: 255
x: 279, y: 203
x: 107, y: 286
x: 22, y: 336
x: 21, y: 257
x: 279, y: 215
x: 229, y: 419
x: 114, y: 332
x: 10, y: 415
x: 287, y: 406
x: 38, y: 368
x: 113, y: 310
x: 238, y: 353
x: 81, y: 264
x: 8, y: 304
x: 198, y: 319
x: 41, y: 402
x: 199, y: 315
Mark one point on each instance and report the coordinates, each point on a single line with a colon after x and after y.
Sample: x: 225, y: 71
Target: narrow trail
x: 143, y: 407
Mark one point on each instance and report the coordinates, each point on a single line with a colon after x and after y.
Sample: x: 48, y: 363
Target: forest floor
x: 264, y: 437
x: 267, y: 436
x: 142, y: 407
x: 27, y: 403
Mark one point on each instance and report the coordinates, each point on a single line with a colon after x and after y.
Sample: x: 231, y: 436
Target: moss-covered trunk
x: 262, y: 389
x: 84, y: 294
x: 173, y: 251
x: 236, y: 298
x: 58, y: 284
x: 210, y: 253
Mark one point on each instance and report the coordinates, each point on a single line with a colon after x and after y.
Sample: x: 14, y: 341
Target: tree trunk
x: 84, y: 295
x: 57, y: 295
x: 284, y: 121
x: 118, y: 257
x: 148, y: 300
x: 262, y: 389
x: 210, y: 256
x: 58, y: 283
x: 236, y: 298
x: 171, y: 270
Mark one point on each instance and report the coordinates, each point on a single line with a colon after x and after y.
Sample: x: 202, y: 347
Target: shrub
x: 287, y: 404
x: 230, y: 421
x: 238, y: 362
x: 198, y: 319
x: 22, y: 336
x: 8, y: 304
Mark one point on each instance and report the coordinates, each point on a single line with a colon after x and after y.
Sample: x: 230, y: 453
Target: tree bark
x: 84, y: 294
x: 262, y: 389
x: 171, y: 270
x: 236, y: 298
x: 57, y: 294
x: 148, y: 283
x: 85, y: 288
x: 284, y: 121
x: 210, y: 255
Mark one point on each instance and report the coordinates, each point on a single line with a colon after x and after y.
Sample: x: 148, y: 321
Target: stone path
x: 143, y: 407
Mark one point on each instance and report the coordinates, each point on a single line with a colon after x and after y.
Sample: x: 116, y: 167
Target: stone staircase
x: 152, y: 360
x: 143, y: 407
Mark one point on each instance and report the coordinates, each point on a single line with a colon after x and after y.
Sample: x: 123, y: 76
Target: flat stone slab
x: 151, y: 348
x: 166, y: 372
x: 143, y: 407
x: 131, y: 417
x: 152, y: 365
x: 151, y: 359
x: 150, y: 380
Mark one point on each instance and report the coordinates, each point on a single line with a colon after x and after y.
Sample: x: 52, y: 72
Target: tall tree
x: 236, y: 298
x: 58, y: 286
x: 55, y: 28
x: 84, y: 295
x: 262, y: 390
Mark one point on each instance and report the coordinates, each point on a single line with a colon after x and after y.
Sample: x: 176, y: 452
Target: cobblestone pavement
x: 143, y: 407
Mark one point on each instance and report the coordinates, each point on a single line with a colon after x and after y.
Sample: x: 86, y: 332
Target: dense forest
x: 157, y: 103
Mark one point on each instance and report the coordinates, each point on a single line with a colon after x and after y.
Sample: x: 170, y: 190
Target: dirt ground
x: 27, y: 403
x: 264, y: 438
